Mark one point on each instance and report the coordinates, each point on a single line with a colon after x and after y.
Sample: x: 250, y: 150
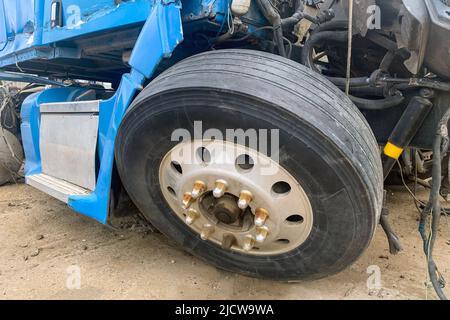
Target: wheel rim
x: 236, y: 197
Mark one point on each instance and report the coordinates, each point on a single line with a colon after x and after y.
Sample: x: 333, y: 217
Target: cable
x: 433, y: 208
x: 247, y: 36
x: 230, y: 21
x: 222, y: 25
x: 289, y: 53
x: 416, y: 174
x: 350, y: 43
x: 416, y: 200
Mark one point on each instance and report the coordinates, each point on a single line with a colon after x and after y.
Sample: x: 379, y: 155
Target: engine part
x: 424, y: 29
x: 302, y: 27
x: 271, y: 14
x: 414, y: 32
x: 240, y: 7
x: 437, y: 56
x: 405, y: 130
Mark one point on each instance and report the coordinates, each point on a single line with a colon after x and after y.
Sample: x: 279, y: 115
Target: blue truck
x: 248, y: 131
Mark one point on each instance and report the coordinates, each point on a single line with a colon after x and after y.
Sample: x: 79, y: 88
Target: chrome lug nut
x: 207, y: 231
x: 249, y: 242
x: 191, y: 216
x: 261, y: 234
x: 245, y: 197
x: 261, y: 216
x: 187, y: 200
x: 220, y: 188
x: 199, y: 188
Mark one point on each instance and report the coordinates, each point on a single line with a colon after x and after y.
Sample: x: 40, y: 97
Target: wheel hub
x: 255, y: 207
x: 225, y: 209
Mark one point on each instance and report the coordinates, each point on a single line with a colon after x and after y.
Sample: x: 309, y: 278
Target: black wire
x: 251, y: 33
x: 416, y: 174
x: 247, y: 36
x: 440, y: 148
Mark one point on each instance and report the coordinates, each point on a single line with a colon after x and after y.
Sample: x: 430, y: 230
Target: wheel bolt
x: 228, y: 241
x: 191, y: 216
x: 261, y: 216
x: 199, y: 188
x: 261, y: 234
x: 207, y: 231
x: 249, y: 242
x: 245, y: 198
x: 187, y: 200
x: 220, y: 188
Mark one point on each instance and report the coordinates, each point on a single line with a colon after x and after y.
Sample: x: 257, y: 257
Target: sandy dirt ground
x: 41, y: 240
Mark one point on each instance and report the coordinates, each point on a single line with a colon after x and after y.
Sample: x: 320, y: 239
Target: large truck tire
x: 11, y: 156
x: 311, y: 217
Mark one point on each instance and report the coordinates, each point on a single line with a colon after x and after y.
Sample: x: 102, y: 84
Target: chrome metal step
x: 55, y: 187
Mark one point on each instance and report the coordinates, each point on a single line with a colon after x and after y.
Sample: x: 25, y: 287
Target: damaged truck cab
x: 65, y: 130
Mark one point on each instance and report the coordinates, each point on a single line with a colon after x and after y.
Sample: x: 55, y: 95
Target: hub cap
x: 236, y: 197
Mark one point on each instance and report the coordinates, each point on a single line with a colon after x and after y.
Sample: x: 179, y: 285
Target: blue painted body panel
x: 26, y: 33
x: 83, y: 17
x: 30, y: 124
x: 163, y: 30
x: 93, y: 35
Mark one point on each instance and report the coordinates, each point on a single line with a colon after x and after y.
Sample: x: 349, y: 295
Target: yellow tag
x: 392, y: 151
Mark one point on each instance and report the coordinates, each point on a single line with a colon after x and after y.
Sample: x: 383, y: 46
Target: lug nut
x: 191, y: 216
x: 249, y: 242
x: 245, y: 197
x: 187, y: 200
x: 207, y: 230
x: 261, y: 234
x: 228, y: 241
x: 261, y: 216
x: 199, y: 188
x: 220, y: 188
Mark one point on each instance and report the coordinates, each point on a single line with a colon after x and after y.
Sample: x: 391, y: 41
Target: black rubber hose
x: 368, y: 91
x: 377, y: 104
x: 354, y: 82
x: 334, y: 25
x: 387, y: 61
x: 296, y: 17
x: 318, y: 38
x: 299, y: 15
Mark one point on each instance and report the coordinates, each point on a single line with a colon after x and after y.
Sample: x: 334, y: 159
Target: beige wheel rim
x: 253, y: 206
